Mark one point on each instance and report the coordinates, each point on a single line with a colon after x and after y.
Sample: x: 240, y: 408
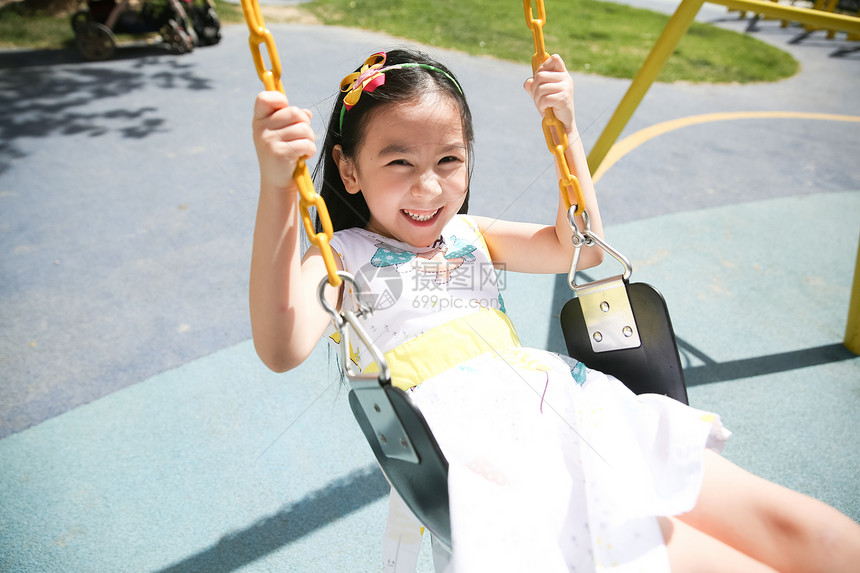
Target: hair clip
x: 368, y: 78
x: 372, y: 75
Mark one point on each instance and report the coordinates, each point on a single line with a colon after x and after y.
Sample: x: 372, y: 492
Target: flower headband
x: 372, y: 75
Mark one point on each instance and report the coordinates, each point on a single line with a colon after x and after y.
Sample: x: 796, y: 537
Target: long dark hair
x: 401, y: 85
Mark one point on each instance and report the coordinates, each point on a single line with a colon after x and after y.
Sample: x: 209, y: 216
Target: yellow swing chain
x: 553, y: 128
x: 308, y: 196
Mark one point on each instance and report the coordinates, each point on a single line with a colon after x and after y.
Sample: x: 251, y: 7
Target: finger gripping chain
x: 271, y: 79
x: 553, y: 129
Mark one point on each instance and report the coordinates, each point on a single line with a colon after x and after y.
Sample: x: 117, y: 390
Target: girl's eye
x: 399, y: 162
x: 450, y: 159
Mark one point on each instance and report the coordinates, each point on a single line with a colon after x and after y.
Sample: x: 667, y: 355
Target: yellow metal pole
x: 663, y: 48
x: 672, y: 34
x: 852, y: 330
x: 814, y: 18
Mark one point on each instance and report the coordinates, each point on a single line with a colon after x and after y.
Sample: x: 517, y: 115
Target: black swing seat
x: 654, y: 366
x: 405, y: 447
x: 422, y: 481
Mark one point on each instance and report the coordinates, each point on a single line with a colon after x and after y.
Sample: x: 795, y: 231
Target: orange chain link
x: 308, y: 196
x: 553, y: 128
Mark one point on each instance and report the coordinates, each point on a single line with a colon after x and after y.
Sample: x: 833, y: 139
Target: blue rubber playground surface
x: 139, y: 431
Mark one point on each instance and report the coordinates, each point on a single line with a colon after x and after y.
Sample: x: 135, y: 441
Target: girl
x: 552, y: 467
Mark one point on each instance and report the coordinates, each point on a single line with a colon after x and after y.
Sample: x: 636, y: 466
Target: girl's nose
x: 427, y: 185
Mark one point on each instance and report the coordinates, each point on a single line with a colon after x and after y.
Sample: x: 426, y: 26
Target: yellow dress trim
x: 478, y: 233
x: 448, y: 345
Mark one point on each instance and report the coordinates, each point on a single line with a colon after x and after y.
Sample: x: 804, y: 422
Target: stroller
x: 182, y: 24
x: 204, y: 21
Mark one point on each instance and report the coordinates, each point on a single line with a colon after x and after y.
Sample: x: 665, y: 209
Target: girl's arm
x: 526, y: 247
x: 286, y: 319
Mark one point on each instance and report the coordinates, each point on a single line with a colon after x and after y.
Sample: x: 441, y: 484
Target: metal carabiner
x: 347, y: 319
x: 370, y: 389
x: 587, y: 238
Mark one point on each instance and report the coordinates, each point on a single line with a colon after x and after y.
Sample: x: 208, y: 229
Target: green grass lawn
x: 21, y: 27
x: 596, y: 37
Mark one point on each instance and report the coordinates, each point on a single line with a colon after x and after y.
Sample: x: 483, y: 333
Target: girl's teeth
x: 421, y: 217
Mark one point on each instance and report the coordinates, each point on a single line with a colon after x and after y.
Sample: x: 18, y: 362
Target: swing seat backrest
x: 654, y: 366
x: 423, y: 485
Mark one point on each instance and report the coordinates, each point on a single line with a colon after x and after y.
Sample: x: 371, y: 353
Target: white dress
x: 552, y: 467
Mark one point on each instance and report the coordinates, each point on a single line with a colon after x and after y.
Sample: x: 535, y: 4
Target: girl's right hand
x: 551, y: 87
x: 282, y: 135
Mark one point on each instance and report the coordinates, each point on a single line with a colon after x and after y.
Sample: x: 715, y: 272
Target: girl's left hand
x: 552, y: 88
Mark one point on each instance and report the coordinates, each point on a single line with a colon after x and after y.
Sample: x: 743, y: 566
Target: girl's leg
x: 691, y: 551
x: 772, y: 524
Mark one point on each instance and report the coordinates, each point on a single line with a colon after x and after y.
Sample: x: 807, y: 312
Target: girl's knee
x: 773, y: 524
x: 692, y: 550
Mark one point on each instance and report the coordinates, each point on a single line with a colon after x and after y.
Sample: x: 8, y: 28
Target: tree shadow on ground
x: 53, y: 93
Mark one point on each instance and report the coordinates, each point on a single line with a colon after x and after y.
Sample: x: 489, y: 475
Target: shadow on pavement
x: 51, y: 93
x: 318, y: 509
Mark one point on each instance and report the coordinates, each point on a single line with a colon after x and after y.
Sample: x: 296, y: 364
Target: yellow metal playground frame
x: 663, y: 48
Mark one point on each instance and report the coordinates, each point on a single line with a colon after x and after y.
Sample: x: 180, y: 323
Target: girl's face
x: 412, y: 167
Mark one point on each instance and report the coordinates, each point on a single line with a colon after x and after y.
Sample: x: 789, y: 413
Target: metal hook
x: 588, y: 239
x: 348, y: 319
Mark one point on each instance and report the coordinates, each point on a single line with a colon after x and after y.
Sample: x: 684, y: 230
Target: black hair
x: 401, y: 85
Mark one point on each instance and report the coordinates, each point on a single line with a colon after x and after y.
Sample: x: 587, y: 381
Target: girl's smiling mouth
x: 421, y: 216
